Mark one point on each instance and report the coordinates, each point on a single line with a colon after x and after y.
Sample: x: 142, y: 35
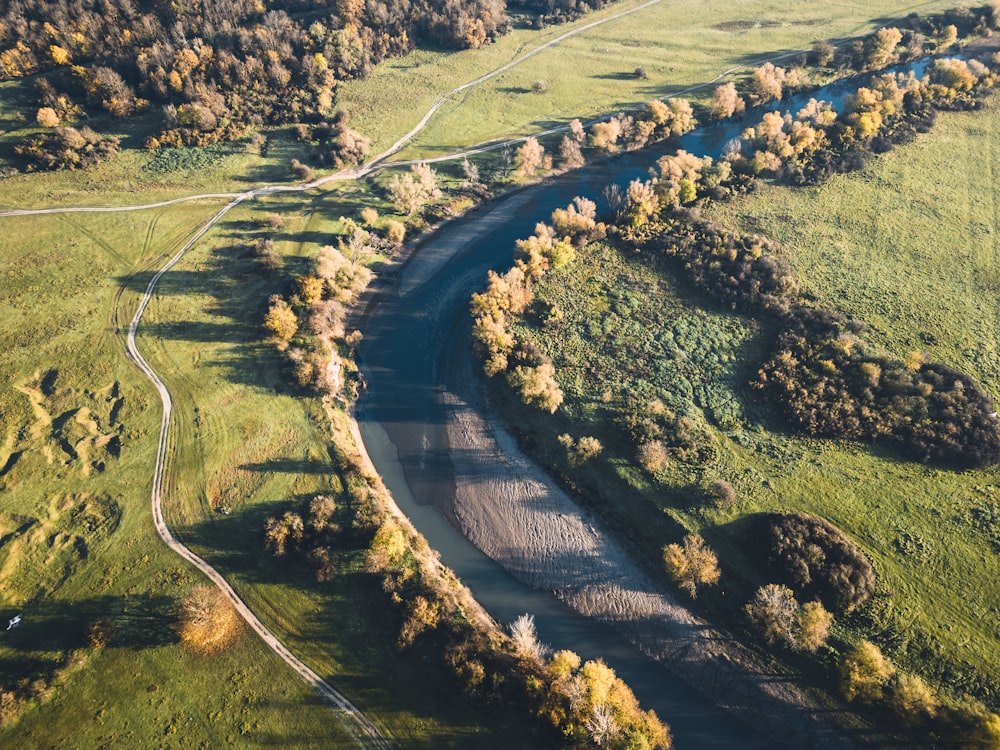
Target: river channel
x: 416, y: 354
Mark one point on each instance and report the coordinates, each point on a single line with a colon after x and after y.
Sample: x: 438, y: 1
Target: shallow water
x: 414, y: 333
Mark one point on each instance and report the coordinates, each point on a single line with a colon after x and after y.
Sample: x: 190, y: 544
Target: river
x: 416, y: 355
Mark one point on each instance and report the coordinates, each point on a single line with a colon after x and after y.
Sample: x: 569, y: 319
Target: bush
x: 825, y: 384
x: 207, y: 622
x: 816, y: 559
x: 864, y: 673
x: 723, y: 493
x: 66, y: 148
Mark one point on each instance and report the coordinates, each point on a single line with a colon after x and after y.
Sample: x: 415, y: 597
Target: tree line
x: 819, y: 372
x: 568, y: 703
x: 212, y: 70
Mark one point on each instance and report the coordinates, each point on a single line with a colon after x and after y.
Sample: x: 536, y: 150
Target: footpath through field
x: 370, y: 732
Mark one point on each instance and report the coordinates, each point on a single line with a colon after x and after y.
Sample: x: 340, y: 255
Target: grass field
x: 680, y: 44
x: 79, y: 425
x: 76, y: 537
x: 909, y: 245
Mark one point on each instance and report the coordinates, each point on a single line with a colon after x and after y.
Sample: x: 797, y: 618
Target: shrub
x: 816, y: 559
x: 207, y: 622
x: 723, y: 493
x: 864, y: 673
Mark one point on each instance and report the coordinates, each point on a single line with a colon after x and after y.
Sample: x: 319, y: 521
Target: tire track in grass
x: 369, y: 731
x: 366, y: 727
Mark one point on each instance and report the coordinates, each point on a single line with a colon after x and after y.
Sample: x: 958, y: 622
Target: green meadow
x: 79, y: 424
x: 908, y: 245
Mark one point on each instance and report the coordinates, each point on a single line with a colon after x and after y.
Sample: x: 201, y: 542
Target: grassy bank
x: 908, y: 245
x: 77, y: 545
x: 679, y: 44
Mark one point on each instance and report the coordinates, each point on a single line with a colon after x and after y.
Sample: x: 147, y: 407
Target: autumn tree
x: 411, y: 191
x: 524, y: 638
x: 281, y: 321
x: 880, y: 49
x: 912, y: 699
x: 537, y: 386
x: 814, y: 623
x: 767, y: 82
x: 726, y: 101
x: 283, y: 532
x: 604, y: 135
x: 778, y: 617
x: 578, y: 452
x: 864, y: 673
x: 692, y: 565
x: 570, y: 153
x: 528, y: 158
x: 773, y: 611
x: 207, y: 622
x: 47, y: 117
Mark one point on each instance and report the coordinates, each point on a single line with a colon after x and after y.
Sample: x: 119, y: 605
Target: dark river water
x: 416, y: 344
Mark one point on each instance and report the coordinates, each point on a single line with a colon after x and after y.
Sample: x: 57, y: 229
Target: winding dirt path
x: 366, y: 727
x: 370, y: 731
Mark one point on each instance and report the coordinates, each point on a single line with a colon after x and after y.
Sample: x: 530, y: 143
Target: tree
x: 529, y: 157
x: 864, y: 673
x: 207, y: 621
x: 691, y: 565
x: 310, y: 289
x: 767, y: 82
x: 640, y: 202
x: 774, y: 611
x: 778, y: 617
x: 281, y: 532
x: 411, y: 191
x: 604, y: 135
x: 726, y: 101
x: 813, y: 627
x: 578, y: 452
x: 570, y: 153
x: 881, y: 48
x: 912, y: 699
x: 653, y: 456
x: 281, y: 321
x: 47, y: 117
x: 537, y: 386
x: 524, y: 638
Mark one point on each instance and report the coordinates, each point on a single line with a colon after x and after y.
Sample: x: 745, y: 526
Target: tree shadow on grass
x: 229, y: 292
x: 53, y: 625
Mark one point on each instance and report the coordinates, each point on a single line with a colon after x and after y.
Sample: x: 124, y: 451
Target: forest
x: 211, y: 70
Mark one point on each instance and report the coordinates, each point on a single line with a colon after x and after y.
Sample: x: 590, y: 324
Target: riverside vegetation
x: 663, y: 394
x: 79, y: 426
